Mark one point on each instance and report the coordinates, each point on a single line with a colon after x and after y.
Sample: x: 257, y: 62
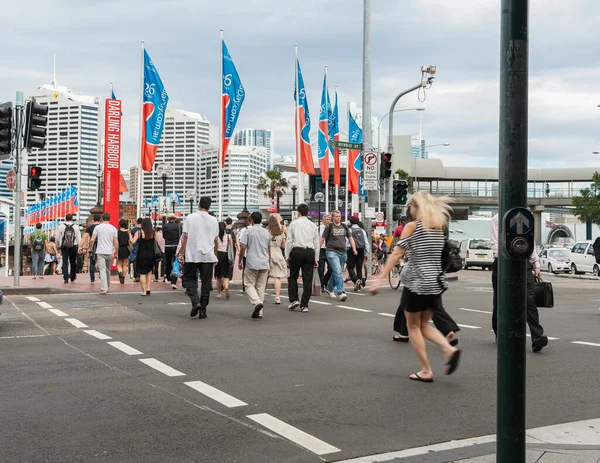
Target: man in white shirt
x: 255, y: 246
x: 68, y: 237
x: 301, y: 247
x: 324, y: 276
x: 538, y: 339
x: 199, y: 245
x: 106, y: 249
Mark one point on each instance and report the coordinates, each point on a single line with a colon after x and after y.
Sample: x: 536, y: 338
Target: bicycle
x: 394, y: 275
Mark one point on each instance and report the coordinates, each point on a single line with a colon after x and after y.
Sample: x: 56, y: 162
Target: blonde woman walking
x: 278, y: 266
x: 422, y: 241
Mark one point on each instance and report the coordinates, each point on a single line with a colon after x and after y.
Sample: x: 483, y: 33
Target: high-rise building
x: 375, y: 127
x: 5, y: 166
x: 71, y: 153
x: 417, y: 147
x: 133, y: 182
x: 183, y: 136
x: 241, y: 161
x: 257, y: 137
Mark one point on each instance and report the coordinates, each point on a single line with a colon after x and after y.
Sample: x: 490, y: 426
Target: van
x: 477, y: 252
x: 583, y: 260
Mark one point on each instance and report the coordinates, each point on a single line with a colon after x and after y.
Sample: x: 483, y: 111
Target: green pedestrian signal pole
x: 512, y: 283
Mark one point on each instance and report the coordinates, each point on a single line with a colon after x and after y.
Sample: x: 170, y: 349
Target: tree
x: 403, y: 175
x: 587, y: 206
x: 269, y: 182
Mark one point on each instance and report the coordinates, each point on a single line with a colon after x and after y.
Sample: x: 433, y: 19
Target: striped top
x: 421, y: 274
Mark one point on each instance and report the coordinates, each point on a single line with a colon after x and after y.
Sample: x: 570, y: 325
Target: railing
x: 553, y: 193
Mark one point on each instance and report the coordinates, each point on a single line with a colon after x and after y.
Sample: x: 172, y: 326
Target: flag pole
x: 327, y: 141
x: 139, y: 168
x: 337, y: 187
x: 298, y: 134
x: 222, y: 131
x: 347, y: 164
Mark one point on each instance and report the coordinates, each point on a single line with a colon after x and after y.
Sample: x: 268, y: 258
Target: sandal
x: 416, y: 377
x: 452, y: 363
x: 399, y: 338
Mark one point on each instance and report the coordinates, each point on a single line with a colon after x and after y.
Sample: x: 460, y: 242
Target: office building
x: 183, y: 136
x: 417, y: 147
x: 5, y: 166
x: 133, y: 182
x: 71, y: 153
x: 257, y: 137
x: 241, y: 160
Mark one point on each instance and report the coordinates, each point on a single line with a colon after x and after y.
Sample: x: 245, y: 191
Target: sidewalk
x: 547, y: 454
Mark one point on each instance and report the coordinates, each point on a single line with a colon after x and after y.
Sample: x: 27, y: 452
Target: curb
x: 9, y: 291
x: 577, y: 277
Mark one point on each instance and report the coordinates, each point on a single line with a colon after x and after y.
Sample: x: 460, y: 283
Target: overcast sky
x: 97, y: 42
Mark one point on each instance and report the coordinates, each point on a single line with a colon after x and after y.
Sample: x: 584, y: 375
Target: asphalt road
x: 324, y: 386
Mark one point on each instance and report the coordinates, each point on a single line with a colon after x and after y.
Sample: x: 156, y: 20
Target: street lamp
x: 387, y: 114
x: 293, y: 182
x: 245, y: 192
x: 164, y: 171
x: 319, y: 198
x: 99, y: 177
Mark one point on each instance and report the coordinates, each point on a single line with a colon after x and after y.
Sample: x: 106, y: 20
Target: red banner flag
x: 112, y: 159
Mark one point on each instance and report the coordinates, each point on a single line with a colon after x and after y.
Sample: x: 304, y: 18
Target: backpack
x: 38, y: 242
x: 68, y: 240
x: 451, y: 261
x: 359, y: 237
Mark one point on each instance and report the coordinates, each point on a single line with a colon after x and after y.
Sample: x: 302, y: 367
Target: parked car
x: 477, y: 252
x: 583, y: 259
x: 555, y: 260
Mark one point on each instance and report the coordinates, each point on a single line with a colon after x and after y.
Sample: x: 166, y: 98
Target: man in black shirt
x: 171, y: 234
x: 85, y: 241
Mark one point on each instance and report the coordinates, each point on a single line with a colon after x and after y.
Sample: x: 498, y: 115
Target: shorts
x: 413, y: 302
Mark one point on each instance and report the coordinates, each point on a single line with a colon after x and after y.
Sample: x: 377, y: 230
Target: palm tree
x: 271, y: 182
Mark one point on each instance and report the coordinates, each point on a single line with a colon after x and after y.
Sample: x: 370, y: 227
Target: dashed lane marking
x: 44, y: 305
x: 215, y: 394
x: 549, y: 337
x: 97, y: 334
x: 76, y: 323
x: 58, y: 312
x: 33, y: 299
x: 162, y: 367
x: 353, y: 308
x: 24, y: 336
x: 469, y: 326
x: 124, y: 347
x: 473, y: 310
x: 294, y: 434
x: 585, y: 343
x: 386, y: 314
x: 177, y: 303
x: 312, y: 301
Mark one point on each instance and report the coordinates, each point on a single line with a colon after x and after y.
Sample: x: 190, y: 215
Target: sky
x: 98, y: 42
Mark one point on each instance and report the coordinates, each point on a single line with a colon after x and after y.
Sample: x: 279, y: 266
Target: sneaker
x: 293, y: 305
x: 34, y: 278
x: 260, y: 314
x: 277, y: 300
x: 195, y: 310
x: 343, y: 297
x: 41, y: 278
x: 257, y: 310
x: 304, y: 309
x: 330, y: 293
x: 202, y: 313
x: 174, y: 286
x: 357, y: 286
x: 539, y: 343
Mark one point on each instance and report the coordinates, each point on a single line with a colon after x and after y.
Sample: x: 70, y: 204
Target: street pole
x: 294, y: 188
x: 245, y: 197
x: 366, y: 113
x: 164, y: 193
x: 17, y: 212
x: 277, y: 194
x: 512, y: 274
x: 191, y: 205
x: 319, y: 216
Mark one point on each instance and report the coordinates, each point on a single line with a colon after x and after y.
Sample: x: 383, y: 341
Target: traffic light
x: 34, y: 182
x: 386, y: 165
x: 5, y: 131
x: 36, y: 119
x: 400, y: 192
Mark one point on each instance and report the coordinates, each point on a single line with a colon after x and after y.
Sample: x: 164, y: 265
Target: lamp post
x: 191, y: 196
x: 387, y: 114
x: 293, y: 182
x: 164, y: 171
x: 319, y: 198
x: 99, y: 177
x: 278, y: 195
x: 415, y: 173
x: 245, y: 193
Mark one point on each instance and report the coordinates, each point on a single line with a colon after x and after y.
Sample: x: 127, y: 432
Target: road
x: 132, y: 379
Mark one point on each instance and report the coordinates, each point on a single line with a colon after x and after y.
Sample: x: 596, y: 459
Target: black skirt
x: 123, y: 252
x: 413, y: 302
x: 222, y: 267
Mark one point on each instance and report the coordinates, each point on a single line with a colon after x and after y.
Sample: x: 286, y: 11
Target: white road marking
x: 177, y: 303
x: 97, y: 334
x: 215, y: 394
x: 44, y: 305
x: 313, y: 301
x: 473, y: 310
x: 357, y: 294
x: 549, y: 338
x: 33, y: 299
x: 294, y: 434
x: 76, y: 323
x: 386, y: 314
x: 24, y: 336
x: 162, y: 367
x: 353, y: 308
x: 585, y: 343
x: 469, y: 326
x: 124, y: 348
x: 58, y: 312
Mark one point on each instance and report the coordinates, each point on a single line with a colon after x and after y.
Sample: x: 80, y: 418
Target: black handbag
x: 544, y: 294
x: 451, y: 261
x: 158, y: 254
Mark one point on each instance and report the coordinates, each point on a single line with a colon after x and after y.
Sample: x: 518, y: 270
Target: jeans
x: 169, y: 256
x: 104, y: 261
x: 190, y: 282
x: 323, y: 276
x: 301, y: 259
x: 336, y: 261
x: 92, y: 267
x: 37, y: 262
x: 256, y: 283
x: 69, y: 258
x: 355, y: 265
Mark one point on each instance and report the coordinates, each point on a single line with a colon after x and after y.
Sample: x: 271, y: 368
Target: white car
x: 583, y: 259
x: 477, y: 252
x: 555, y: 260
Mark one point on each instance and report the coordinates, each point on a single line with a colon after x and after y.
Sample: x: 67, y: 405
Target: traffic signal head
x: 36, y: 120
x: 34, y: 182
x: 400, y: 192
x: 386, y: 165
x: 5, y: 131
